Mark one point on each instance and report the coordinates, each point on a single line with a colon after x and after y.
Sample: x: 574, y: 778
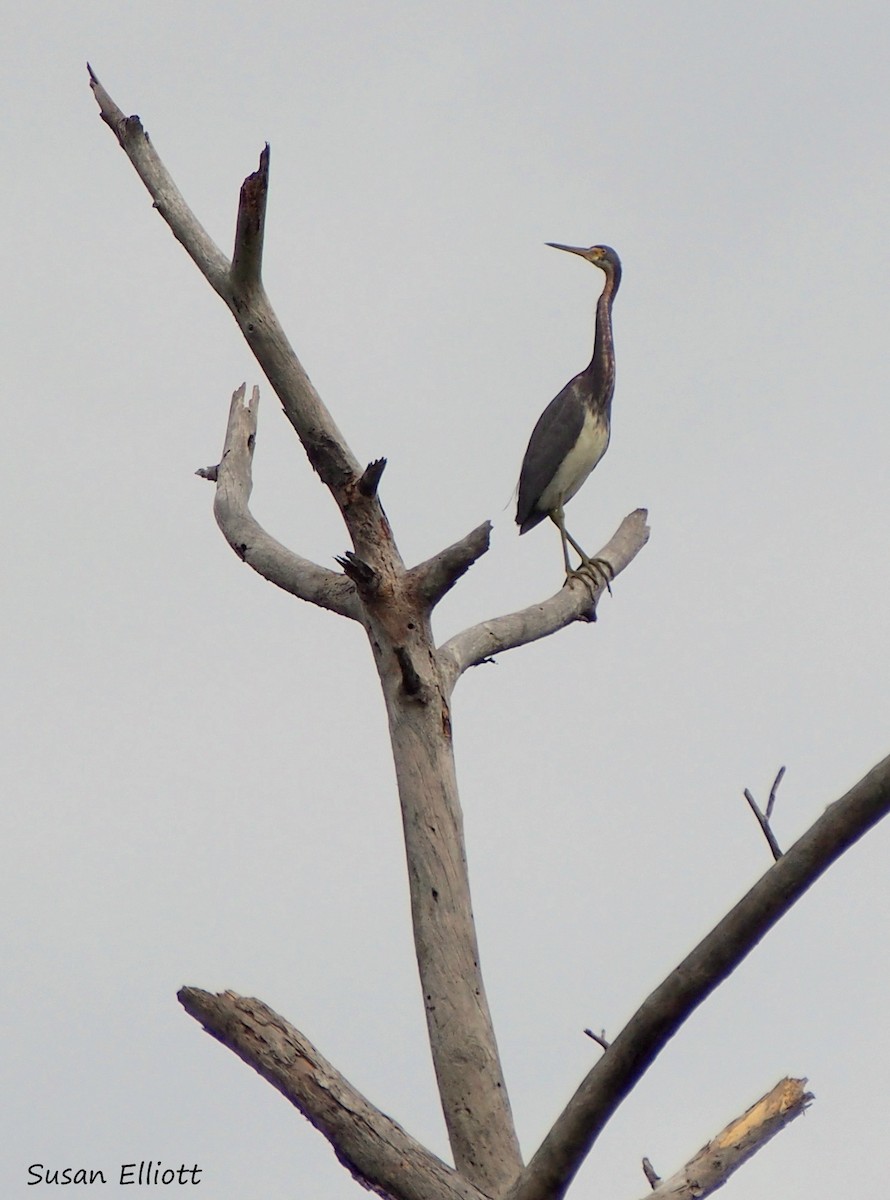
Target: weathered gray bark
x: 575, y: 602
x: 394, y: 607
x: 287, y: 570
x: 372, y: 1147
x: 394, y: 604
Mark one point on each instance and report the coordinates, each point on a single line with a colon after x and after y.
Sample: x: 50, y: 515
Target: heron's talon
x: 599, y: 570
x: 594, y: 570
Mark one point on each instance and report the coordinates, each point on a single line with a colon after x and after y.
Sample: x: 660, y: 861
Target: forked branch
x: 239, y: 285
x: 234, y: 482
x: 764, y: 818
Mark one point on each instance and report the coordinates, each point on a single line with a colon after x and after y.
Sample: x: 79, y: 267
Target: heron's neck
x: 602, y: 365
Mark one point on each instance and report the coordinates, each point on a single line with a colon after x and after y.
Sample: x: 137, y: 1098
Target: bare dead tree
x: 394, y: 604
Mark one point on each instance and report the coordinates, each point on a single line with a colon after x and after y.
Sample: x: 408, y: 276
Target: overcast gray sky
x: 198, y: 775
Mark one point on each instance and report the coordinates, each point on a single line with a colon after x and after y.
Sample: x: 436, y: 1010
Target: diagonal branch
x: 234, y: 482
x: 374, y: 1149
x: 629, y: 1056
x: 575, y: 601
x: 168, y: 199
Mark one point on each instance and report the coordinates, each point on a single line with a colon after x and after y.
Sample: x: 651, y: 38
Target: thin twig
x: 772, y: 794
x: 764, y: 817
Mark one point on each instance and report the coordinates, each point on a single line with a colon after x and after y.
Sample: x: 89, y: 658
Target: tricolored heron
x: 572, y: 433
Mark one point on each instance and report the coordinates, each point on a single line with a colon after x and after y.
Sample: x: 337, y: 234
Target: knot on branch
x: 411, y: 681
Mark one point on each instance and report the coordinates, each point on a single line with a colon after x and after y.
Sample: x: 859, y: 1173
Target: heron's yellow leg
x: 599, y: 569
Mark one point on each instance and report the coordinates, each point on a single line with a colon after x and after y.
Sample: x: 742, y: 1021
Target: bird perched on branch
x: 572, y: 433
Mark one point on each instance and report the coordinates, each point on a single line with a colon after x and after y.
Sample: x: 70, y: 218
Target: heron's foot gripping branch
x: 596, y: 571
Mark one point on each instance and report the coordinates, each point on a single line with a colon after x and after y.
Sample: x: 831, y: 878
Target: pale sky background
x: 198, y: 780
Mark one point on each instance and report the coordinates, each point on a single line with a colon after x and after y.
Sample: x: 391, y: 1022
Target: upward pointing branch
x: 247, y: 260
x: 168, y: 199
x: 239, y: 284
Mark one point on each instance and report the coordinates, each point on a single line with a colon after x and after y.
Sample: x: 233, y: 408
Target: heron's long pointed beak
x: 582, y: 250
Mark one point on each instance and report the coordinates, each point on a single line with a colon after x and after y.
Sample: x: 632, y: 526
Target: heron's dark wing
x: 552, y: 438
